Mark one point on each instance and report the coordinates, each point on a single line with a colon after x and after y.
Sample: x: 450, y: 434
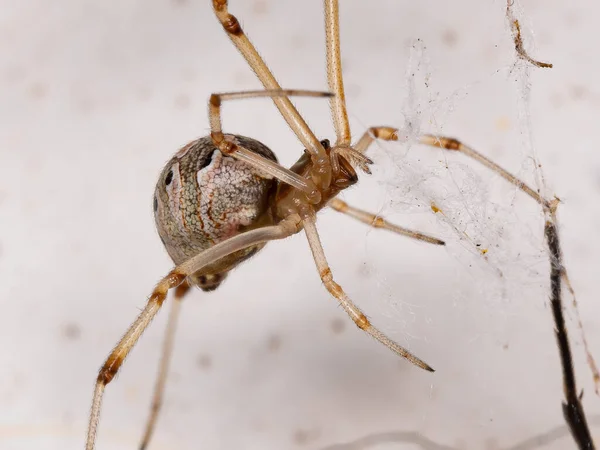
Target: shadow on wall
x: 417, y: 439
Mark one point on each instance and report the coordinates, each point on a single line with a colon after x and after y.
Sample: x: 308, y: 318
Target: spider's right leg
x: 383, y: 133
x: 447, y: 143
x: 231, y: 148
x: 310, y: 228
x: 378, y: 222
x: 176, y: 277
x: 322, y: 174
x: 335, y: 80
x: 159, y: 388
x: 452, y: 144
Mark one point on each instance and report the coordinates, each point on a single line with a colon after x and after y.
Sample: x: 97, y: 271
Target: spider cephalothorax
x: 343, y: 175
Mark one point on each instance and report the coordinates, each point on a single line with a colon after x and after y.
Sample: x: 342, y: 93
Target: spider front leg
x: 165, y: 359
x: 383, y: 133
x: 452, y: 144
x: 335, y: 80
x: 228, y: 146
x: 378, y: 222
x: 322, y: 172
x: 288, y: 226
x: 310, y: 228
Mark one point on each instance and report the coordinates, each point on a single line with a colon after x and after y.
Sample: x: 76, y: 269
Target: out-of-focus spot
x: 572, y: 19
x: 304, y: 437
x: 260, y: 7
x: 182, y: 101
x: 365, y: 269
x: 71, y: 331
x: 132, y: 394
x: 189, y: 74
x: 14, y: 74
x: 556, y: 100
x: 85, y: 105
x: 297, y: 41
x: 38, y: 90
x: 338, y: 325
x: 450, y: 37
x: 578, y: 92
x: 502, y: 123
x: 274, y: 343
x: 204, y: 361
x: 143, y: 94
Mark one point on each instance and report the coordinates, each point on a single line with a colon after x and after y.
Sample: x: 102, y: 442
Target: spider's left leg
x: 378, y: 222
x: 165, y: 359
x: 322, y: 174
x: 310, y: 228
x: 288, y: 226
x: 228, y: 146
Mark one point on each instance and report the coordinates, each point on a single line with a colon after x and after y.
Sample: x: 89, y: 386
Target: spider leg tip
x: 423, y: 365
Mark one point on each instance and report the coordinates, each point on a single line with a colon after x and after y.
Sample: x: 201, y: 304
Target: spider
x: 222, y: 197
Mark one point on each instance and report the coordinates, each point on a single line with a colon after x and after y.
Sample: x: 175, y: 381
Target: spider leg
x: 447, y: 143
x: 383, y: 133
x: 334, y: 73
x: 165, y: 359
x: 289, y: 112
x: 377, y: 222
x: 176, y: 277
x: 227, y: 146
x: 309, y: 223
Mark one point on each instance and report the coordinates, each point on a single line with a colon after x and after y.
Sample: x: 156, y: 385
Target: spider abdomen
x: 204, y: 197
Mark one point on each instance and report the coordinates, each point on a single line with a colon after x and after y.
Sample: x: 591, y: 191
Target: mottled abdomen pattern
x: 203, y: 197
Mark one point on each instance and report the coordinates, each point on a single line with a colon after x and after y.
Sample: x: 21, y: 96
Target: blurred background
x: 96, y: 96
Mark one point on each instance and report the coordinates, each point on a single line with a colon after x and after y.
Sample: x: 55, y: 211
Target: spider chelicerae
x: 222, y: 197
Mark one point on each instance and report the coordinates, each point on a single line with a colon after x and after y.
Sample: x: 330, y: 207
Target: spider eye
x: 325, y: 143
x: 169, y: 178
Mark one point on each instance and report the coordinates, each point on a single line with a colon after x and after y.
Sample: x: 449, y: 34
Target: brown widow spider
x: 221, y: 198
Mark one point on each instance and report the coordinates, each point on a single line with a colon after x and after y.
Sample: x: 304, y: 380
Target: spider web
x: 489, y: 228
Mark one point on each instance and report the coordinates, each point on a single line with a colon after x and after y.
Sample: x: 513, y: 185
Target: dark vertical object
x: 572, y: 409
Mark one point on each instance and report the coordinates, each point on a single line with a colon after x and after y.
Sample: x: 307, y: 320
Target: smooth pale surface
x: 96, y: 96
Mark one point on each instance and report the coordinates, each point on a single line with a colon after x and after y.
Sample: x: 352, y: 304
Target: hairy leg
x: 351, y: 309
x: 229, y: 147
x: 177, y: 276
x: 322, y: 174
x: 165, y: 359
x: 335, y: 79
x: 378, y: 222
